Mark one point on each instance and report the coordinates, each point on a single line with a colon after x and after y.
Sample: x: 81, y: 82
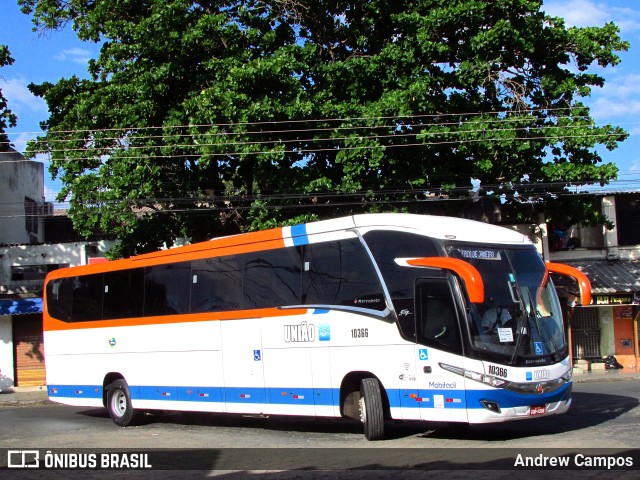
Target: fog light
x: 492, y: 406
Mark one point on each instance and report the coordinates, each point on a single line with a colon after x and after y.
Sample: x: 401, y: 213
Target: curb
x: 588, y: 378
x: 38, y: 388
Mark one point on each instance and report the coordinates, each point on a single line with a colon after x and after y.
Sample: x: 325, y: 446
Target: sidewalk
x: 607, y: 375
x: 20, y: 396
x: 23, y: 396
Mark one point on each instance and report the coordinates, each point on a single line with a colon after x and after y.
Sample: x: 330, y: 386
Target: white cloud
x: 578, y: 13
x: 20, y: 141
x: 619, y: 97
x: 607, y: 108
x: 622, y: 86
x: 75, y: 55
x: 19, y: 97
x: 590, y: 13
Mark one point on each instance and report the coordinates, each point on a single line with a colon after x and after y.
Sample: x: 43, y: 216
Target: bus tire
x: 371, y: 409
x: 119, y: 405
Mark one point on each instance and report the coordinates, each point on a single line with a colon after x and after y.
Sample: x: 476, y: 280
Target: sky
x: 49, y: 57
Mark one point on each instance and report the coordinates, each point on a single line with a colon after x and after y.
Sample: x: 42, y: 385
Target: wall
x: 607, y: 332
x: 75, y: 253
x: 6, y: 353
x: 598, y: 243
x: 20, y: 178
x: 623, y: 324
x: 616, y: 324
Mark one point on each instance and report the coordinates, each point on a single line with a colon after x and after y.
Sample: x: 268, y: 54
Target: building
x: 23, y: 206
x: 611, y: 260
x: 25, y: 260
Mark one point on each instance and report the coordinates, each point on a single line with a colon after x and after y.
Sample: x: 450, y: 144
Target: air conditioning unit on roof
x: 45, y: 208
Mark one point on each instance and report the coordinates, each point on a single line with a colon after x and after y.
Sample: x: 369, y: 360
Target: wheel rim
x: 119, y: 403
x: 363, y: 410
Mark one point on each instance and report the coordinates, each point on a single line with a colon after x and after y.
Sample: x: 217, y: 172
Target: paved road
x: 605, y: 415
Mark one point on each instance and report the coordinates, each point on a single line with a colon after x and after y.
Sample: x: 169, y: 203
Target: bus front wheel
x: 119, y: 404
x: 371, y: 409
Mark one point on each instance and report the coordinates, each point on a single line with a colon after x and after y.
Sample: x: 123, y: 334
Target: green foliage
x: 7, y: 117
x: 210, y: 117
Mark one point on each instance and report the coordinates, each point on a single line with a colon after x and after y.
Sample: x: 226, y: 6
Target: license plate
x: 537, y: 410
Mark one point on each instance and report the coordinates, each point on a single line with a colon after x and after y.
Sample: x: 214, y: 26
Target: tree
x: 218, y: 116
x: 7, y: 118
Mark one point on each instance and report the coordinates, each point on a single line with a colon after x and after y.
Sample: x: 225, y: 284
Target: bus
x: 374, y: 317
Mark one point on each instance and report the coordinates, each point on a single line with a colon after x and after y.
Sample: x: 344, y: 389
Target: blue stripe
x: 402, y: 398
x: 299, y: 235
x: 293, y: 396
x: 315, y: 396
x: 75, y: 391
x: 245, y: 395
x: 200, y: 394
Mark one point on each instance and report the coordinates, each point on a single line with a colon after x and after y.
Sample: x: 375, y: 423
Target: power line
x: 337, y: 119
x: 360, y: 198
x: 399, y: 122
x: 307, y: 151
x: 328, y: 139
x: 224, y: 133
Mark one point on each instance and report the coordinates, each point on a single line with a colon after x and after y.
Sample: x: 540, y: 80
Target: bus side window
x: 87, y: 298
x: 272, y: 278
x: 340, y: 273
x: 59, y: 298
x: 123, y: 294
x: 166, y: 289
x: 437, y: 321
x: 216, y: 284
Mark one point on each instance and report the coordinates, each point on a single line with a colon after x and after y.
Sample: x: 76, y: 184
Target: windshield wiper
x: 513, y: 285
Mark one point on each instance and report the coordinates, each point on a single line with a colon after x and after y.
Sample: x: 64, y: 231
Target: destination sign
x: 483, y: 254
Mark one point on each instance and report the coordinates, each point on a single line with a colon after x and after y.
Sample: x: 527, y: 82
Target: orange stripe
x: 245, y: 243
x: 51, y: 324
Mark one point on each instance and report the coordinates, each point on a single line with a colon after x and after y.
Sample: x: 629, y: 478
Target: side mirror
x: 467, y: 272
x: 583, y: 282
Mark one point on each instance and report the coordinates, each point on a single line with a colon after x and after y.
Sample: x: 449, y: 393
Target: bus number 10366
x: 359, y: 332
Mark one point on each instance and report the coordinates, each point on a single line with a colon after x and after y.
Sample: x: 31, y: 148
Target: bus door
x: 439, y: 354
x: 242, y: 365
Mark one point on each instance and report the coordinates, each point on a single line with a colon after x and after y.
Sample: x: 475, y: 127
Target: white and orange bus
x: 374, y: 317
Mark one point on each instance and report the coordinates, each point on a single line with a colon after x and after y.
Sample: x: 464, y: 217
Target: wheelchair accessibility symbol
x: 538, y: 348
x: 423, y: 354
x: 256, y: 355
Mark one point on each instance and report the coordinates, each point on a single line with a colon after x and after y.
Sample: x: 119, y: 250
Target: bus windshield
x: 521, y: 318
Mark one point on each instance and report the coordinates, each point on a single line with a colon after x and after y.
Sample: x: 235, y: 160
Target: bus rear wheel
x: 119, y: 405
x: 371, y: 409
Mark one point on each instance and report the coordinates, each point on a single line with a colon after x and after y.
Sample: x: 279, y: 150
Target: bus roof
x: 439, y: 227
x: 444, y: 228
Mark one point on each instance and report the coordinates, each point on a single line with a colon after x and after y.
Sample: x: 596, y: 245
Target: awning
x: 611, y: 277
x: 22, y: 306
